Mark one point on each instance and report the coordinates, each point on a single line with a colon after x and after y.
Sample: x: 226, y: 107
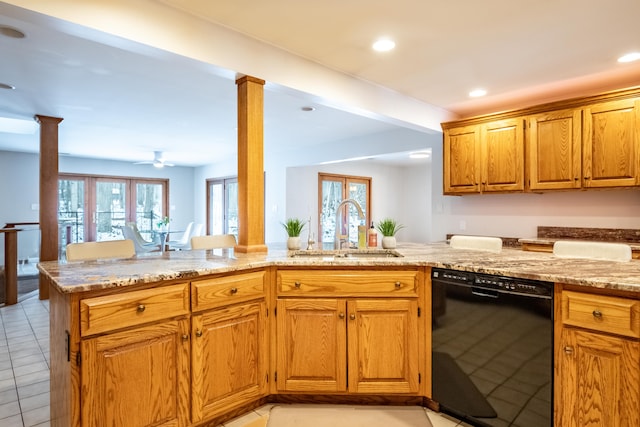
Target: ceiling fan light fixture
x: 158, y: 165
x: 629, y: 57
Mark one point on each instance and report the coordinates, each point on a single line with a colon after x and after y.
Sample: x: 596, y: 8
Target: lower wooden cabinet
x: 597, y: 379
x: 347, y: 345
x: 228, y: 358
x: 137, y: 377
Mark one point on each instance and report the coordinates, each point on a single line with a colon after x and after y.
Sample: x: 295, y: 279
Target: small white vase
x: 293, y: 243
x: 389, y: 242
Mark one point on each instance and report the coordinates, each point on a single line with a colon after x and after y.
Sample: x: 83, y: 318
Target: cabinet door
x: 502, y: 155
x: 229, y: 358
x: 312, y: 345
x: 462, y: 160
x: 138, y: 377
x: 598, y: 380
x: 383, y: 346
x: 611, y: 139
x: 555, y: 150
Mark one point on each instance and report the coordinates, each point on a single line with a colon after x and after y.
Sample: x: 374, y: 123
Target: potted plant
x: 388, y: 228
x: 293, y: 227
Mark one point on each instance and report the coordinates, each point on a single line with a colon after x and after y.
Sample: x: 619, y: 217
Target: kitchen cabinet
x: 229, y: 343
x: 554, y: 150
x: 486, y: 157
x: 597, y: 360
x: 135, y: 344
x: 611, y: 144
x: 348, y: 331
x: 581, y: 143
x: 137, y: 377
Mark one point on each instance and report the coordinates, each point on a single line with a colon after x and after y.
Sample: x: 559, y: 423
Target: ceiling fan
x: 158, y: 161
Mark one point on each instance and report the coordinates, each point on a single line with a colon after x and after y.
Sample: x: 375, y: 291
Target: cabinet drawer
x: 111, y: 312
x: 601, y: 313
x: 345, y: 282
x: 225, y: 290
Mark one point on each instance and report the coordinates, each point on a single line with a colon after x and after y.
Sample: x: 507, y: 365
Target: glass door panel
x: 331, y: 198
x: 358, y: 191
x: 231, y: 194
x: 71, y: 211
x: 110, y: 209
x: 149, y: 208
x: 216, y: 207
x: 223, y: 206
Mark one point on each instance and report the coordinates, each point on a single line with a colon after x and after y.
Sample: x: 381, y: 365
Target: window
x: 331, y: 191
x: 94, y: 208
x: 222, y: 206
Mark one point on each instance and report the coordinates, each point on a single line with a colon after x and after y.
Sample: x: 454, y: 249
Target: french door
x: 332, y: 190
x: 93, y: 208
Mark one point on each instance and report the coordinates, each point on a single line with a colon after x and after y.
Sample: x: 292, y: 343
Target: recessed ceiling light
x: 14, y: 33
x: 6, y: 86
x: 477, y: 93
x: 629, y: 57
x: 420, y: 155
x: 384, y: 45
x: 307, y: 108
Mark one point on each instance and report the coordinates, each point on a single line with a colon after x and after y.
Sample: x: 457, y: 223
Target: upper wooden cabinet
x: 488, y: 157
x: 611, y: 141
x: 579, y: 143
x: 554, y: 150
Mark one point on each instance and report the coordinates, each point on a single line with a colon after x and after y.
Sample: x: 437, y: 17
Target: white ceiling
x: 124, y: 100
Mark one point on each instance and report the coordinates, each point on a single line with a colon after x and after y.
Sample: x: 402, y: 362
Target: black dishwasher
x: 492, y: 348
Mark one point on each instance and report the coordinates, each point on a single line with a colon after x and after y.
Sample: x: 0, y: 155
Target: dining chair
x: 85, y: 251
x: 130, y: 231
x: 184, y: 241
x: 218, y: 241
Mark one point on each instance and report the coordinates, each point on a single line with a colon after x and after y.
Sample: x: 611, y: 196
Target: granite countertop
x: 93, y: 275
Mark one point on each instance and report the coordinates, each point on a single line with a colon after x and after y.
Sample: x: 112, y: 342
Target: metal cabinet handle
x: 398, y: 285
x: 198, y: 333
x: 297, y: 284
x: 141, y: 308
x: 341, y: 315
x: 352, y: 316
x: 234, y: 291
x: 185, y: 337
x: 597, y: 314
x: 568, y: 349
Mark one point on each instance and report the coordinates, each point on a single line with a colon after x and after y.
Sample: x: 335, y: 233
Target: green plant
x: 164, y: 222
x: 389, y: 227
x: 293, y: 226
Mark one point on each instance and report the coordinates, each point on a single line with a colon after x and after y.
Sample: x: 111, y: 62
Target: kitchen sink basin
x: 346, y: 253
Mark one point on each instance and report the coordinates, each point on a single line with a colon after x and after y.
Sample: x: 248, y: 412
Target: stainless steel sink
x: 346, y: 253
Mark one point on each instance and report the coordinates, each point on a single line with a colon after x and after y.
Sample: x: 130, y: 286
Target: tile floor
x: 24, y: 370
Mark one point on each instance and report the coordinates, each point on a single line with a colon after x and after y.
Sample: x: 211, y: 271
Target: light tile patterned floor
x: 24, y: 370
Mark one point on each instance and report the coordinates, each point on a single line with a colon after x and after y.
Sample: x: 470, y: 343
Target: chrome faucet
x: 338, y: 238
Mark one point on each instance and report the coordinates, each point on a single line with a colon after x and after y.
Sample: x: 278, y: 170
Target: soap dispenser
x: 372, y: 237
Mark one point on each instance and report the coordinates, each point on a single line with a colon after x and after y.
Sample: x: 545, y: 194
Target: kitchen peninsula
x: 193, y: 338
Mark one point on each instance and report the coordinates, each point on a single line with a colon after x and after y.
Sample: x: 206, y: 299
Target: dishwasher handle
x: 484, y: 292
